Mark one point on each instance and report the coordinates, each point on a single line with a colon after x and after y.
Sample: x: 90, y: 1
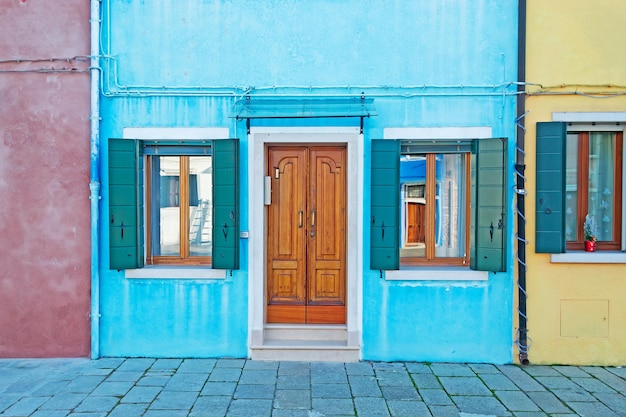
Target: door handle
x: 300, y: 219
x: 312, y: 218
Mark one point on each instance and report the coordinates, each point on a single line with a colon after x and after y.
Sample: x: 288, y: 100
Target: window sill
x: 415, y: 273
x: 581, y: 257
x: 175, y: 272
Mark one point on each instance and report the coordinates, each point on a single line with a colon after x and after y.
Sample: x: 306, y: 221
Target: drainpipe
x: 94, y: 180
x: 522, y: 340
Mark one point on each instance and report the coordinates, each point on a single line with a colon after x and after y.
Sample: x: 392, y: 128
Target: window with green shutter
x: 421, y: 189
x: 579, y: 173
x: 488, y: 205
x: 191, y: 199
x: 550, y: 198
x: 384, y: 246
x: 226, y: 204
x: 125, y: 204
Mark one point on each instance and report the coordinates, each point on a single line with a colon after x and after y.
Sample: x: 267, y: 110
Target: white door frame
x: 257, y: 139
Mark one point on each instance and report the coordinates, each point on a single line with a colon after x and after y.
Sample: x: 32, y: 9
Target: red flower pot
x: 590, y: 246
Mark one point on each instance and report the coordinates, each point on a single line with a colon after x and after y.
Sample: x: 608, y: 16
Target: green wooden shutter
x: 125, y: 204
x: 226, y: 204
x: 385, y: 205
x: 488, y: 205
x: 550, y: 198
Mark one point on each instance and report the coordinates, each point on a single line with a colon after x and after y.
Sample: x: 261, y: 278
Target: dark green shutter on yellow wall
x: 125, y: 204
x: 225, y: 204
x: 550, y: 198
x: 488, y: 194
x: 385, y: 205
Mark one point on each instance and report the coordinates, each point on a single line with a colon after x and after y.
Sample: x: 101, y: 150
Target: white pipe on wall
x: 94, y: 178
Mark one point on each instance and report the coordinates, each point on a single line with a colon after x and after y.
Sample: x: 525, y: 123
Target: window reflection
x: 166, y: 205
x: 433, y: 201
x: 200, y: 190
x: 571, y: 187
x: 591, y: 184
x: 601, y: 198
x: 181, y: 183
x: 413, y: 203
x: 449, y: 207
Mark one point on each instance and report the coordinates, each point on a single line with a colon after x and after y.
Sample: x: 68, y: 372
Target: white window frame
x: 175, y: 133
x: 444, y: 273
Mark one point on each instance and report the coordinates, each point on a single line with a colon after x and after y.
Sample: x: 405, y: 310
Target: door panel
x: 306, y: 235
x: 286, y: 240
x: 327, y: 234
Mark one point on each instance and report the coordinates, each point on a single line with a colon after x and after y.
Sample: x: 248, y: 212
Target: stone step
x: 308, y: 343
x: 306, y: 332
x: 305, y: 351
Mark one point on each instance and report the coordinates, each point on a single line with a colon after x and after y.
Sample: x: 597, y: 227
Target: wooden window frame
x: 430, y: 258
x: 185, y: 258
x: 583, y: 196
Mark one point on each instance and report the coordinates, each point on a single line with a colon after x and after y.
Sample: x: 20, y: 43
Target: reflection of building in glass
x: 413, y: 189
x: 449, y: 217
x: 165, y: 205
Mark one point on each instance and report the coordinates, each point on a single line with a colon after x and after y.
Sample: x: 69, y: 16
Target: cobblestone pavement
x: 238, y: 387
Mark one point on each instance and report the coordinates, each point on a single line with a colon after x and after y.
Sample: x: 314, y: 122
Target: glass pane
x: 601, y: 182
x: 200, y: 192
x: 413, y: 205
x: 450, y: 206
x: 571, y: 187
x: 165, y: 206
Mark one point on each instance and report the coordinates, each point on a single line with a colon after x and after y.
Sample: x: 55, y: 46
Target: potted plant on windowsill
x: 590, y: 229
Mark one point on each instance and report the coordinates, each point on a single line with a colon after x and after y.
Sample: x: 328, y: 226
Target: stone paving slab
x: 165, y: 387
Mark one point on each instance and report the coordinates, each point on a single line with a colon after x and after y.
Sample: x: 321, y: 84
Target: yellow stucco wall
x: 575, y: 63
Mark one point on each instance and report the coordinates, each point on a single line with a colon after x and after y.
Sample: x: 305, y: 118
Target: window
x: 191, y: 210
x: 179, y: 191
x: 593, y: 186
x: 434, y: 208
x: 438, y: 203
x: 579, y: 172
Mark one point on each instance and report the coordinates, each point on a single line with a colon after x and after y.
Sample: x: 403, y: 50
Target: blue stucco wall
x: 168, y: 317
x: 174, y: 318
x: 457, y: 321
x: 317, y: 42
x: 437, y: 322
x: 427, y: 64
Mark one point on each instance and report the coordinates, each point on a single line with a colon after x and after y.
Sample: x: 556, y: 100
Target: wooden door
x: 415, y: 223
x: 306, y: 235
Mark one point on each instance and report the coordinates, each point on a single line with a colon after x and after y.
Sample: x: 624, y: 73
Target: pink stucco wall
x: 44, y: 179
